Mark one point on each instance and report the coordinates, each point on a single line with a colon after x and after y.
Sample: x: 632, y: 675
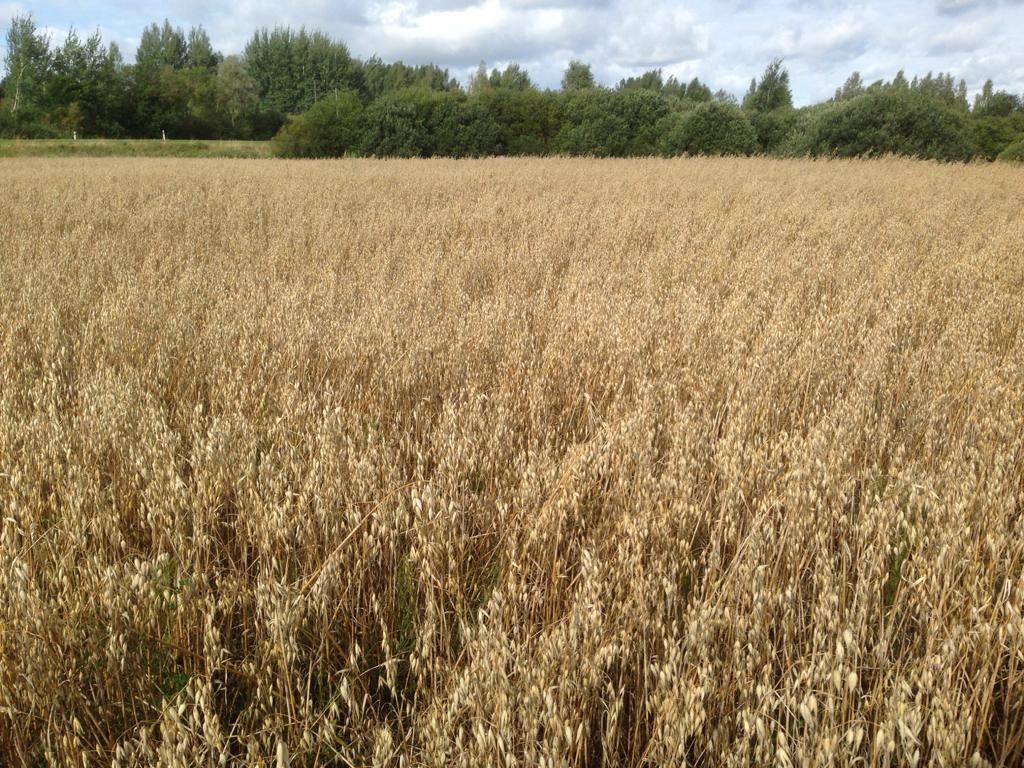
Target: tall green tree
x: 942, y: 87
x: 86, y: 89
x: 769, y: 105
x: 480, y: 81
x: 648, y: 81
x: 295, y: 69
x: 993, y: 103
x: 237, y: 94
x: 577, y: 76
x: 28, y: 63
x: 162, y: 46
x: 199, y: 50
x: 377, y: 77
x: 160, y: 93
x: 697, y: 91
x: 853, y: 87
x: 771, y: 92
x: 514, y: 77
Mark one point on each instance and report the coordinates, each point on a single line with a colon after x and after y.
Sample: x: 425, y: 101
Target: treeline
x: 178, y: 84
x: 306, y: 91
x: 501, y: 113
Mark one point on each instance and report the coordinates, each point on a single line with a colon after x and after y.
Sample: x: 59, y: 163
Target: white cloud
x: 957, y: 6
x: 959, y: 38
x: 655, y: 34
x: 724, y: 42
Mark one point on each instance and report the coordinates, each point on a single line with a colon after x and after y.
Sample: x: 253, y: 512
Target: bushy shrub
x: 803, y: 131
x: 604, y: 123
x: 898, y: 122
x: 417, y: 122
x: 265, y: 123
x: 527, y: 121
x: 991, y: 135
x: 772, y: 128
x: 1014, y: 152
x: 11, y: 127
x: 398, y: 124
x: 6, y: 122
x: 714, y: 128
x: 602, y: 135
x: 461, y: 127
x: 330, y: 128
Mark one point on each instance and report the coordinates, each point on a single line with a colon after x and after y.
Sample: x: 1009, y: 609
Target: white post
x: 74, y: 135
x: 164, y: 134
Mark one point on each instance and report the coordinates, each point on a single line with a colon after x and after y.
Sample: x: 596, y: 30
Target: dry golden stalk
x: 511, y: 462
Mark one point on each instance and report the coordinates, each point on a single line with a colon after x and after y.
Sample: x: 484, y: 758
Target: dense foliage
x: 890, y: 122
x: 714, y: 128
x: 1013, y: 152
x: 320, y: 101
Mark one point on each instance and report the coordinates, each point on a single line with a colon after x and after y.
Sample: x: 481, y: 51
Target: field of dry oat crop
x: 511, y: 462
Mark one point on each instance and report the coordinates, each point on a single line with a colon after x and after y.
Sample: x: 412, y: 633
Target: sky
x: 723, y: 42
